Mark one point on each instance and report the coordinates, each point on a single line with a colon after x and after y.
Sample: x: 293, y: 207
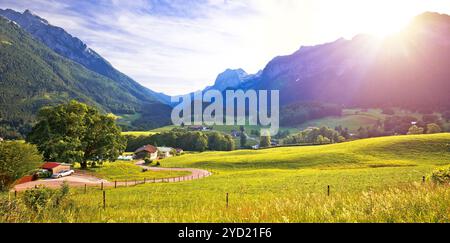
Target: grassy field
x: 138, y: 134
x: 122, y: 171
x: 352, y: 119
x: 373, y: 180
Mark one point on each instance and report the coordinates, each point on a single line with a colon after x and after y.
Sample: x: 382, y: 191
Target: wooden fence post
x: 145, y: 180
x: 227, y: 199
x: 85, y: 188
x: 328, y: 190
x: 104, y: 199
x: 102, y: 186
x: 115, y: 184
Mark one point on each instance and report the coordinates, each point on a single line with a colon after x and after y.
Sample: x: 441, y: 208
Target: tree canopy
x: 17, y: 159
x: 76, y: 132
x: 186, y: 140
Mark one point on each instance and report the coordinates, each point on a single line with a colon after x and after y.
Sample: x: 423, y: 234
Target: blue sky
x: 178, y: 46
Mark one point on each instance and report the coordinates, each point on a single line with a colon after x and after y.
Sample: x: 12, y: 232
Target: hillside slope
x: 32, y: 76
x: 394, y: 151
x: 72, y: 48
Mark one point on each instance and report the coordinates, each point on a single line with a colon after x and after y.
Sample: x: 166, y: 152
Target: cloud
x: 177, y: 46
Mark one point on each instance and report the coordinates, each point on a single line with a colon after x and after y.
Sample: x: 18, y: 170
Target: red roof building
x: 55, y: 167
x: 147, y: 151
x: 147, y: 148
x: 50, y: 165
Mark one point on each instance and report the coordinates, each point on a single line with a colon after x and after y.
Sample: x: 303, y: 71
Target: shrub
x: 433, y: 128
x: 38, y: 199
x: 158, y: 164
x: 441, y: 176
x: 62, y: 194
x: 415, y: 130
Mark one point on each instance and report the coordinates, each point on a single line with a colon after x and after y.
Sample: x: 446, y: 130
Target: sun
x: 387, y: 24
x: 379, y: 18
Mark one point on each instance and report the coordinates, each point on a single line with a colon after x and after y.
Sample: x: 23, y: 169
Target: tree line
x: 404, y: 125
x: 186, y: 140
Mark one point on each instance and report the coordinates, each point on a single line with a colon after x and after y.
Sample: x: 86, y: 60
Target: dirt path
x: 83, y: 179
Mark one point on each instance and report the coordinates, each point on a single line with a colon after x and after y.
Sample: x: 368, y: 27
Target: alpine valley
x: 41, y: 64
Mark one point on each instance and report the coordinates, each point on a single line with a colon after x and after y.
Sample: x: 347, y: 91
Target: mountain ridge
x: 366, y: 71
x: 63, y: 43
x: 32, y: 76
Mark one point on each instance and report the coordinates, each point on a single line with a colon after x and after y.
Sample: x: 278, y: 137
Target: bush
x: 415, y: 130
x: 441, y: 176
x: 158, y: 164
x: 38, y: 199
x: 148, y: 161
x: 42, y: 198
x: 433, y: 128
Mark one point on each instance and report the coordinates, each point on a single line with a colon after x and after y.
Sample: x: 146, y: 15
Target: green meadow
x: 371, y: 180
x: 127, y: 171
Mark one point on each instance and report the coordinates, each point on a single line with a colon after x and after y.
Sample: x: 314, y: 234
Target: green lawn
x: 372, y: 180
x: 122, y: 171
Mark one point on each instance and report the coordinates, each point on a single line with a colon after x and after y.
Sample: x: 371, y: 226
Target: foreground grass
x: 122, y: 171
x: 373, y: 180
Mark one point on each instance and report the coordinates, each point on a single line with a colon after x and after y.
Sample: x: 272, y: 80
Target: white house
x: 165, y: 152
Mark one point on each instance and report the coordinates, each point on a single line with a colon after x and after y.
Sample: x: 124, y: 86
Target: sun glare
x: 387, y: 25
x: 379, y: 18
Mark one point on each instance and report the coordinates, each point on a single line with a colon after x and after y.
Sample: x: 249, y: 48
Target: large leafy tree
x: 75, y: 132
x: 17, y: 159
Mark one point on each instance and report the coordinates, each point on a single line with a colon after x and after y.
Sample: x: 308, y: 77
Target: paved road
x: 80, y: 179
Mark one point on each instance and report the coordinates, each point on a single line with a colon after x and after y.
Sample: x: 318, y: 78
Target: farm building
x: 146, y: 152
x: 165, y: 152
x: 54, y: 167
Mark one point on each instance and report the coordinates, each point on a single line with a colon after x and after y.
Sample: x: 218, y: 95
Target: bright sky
x: 179, y: 46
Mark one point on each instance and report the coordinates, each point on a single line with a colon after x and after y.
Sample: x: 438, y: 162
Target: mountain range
x: 408, y: 69
x: 42, y: 64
